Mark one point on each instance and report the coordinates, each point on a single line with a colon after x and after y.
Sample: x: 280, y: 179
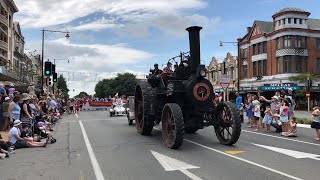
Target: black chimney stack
x: 194, y: 41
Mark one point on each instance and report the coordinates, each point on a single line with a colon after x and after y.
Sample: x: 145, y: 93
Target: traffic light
x: 48, y: 68
x: 48, y: 81
x: 53, y: 68
x: 55, y: 77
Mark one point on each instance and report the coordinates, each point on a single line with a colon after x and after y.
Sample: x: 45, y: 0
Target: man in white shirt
x: 17, y: 141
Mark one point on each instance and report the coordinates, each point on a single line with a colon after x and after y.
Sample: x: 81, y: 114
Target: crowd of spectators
x: 27, y: 118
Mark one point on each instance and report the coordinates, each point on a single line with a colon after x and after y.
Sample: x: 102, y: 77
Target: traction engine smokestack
x: 194, y: 41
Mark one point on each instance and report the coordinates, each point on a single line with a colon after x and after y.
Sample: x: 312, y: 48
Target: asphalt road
x: 93, y: 146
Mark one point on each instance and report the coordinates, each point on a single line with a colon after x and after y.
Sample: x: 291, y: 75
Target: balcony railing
x: 4, y: 20
x: 292, y: 52
x: 4, y: 45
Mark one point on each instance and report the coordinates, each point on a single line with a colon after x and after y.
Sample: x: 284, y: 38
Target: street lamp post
x: 42, y: 51
x: 238, y: 63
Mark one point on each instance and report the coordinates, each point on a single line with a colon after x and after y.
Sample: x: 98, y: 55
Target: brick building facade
x: 271, y: 52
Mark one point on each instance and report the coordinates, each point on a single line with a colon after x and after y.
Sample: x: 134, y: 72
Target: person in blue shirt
x: 238, y: 100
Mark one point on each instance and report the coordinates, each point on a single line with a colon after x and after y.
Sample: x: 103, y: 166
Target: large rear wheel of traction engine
x: 142, y: 102
x: 172, y: 126
x: 229, y: 129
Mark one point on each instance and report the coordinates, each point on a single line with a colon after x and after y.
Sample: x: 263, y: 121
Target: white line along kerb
x: 94, y: 162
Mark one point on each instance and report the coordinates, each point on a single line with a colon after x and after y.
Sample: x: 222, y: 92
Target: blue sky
x: 110, y: 36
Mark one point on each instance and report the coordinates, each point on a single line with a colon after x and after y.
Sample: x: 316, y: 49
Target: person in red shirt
x: 168, y: 68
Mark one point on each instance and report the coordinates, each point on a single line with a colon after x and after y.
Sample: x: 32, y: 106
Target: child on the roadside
x: 241, y: 112
x: 316, y: 122
x: 292, y: 128
x: 256, y: 112
x: 249, y: 108
x: 267, y: 118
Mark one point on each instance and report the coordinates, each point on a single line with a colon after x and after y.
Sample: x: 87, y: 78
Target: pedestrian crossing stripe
x: 234, y: 152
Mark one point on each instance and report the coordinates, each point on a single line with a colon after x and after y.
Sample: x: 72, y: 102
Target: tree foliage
x: 124, y: 84
x: 62, y: 84
x: 304, y: 77
x: 82, y: 95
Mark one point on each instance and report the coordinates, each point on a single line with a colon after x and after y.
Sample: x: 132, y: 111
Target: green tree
x: 62, y: 84
x: 124, y: 84
x: 304, y: 77
x: 82, y: 95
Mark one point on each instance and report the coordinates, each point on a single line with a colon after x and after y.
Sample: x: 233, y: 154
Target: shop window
x: 318, y: 65
x: 298, y: 41
x: 318, y: 43
x: 287, y: 64
x: 287, y: 41
x: 278, y: 65
x: 278, y: 43
x: 298, y: 63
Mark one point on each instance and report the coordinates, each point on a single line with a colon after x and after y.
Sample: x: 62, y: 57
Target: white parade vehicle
x: 117, y: 108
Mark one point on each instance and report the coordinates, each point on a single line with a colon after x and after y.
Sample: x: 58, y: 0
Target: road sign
x: 225, y: 81
x: 171, y: 164
x: 288, y: 152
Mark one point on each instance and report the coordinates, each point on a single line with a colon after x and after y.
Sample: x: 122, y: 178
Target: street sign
x: 224, y: 86
x: 225, y: 81
x: 308, y: 95
x: 171, y: 164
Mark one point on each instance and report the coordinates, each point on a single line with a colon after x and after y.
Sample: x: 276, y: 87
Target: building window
x: 264, y: 47
x: 298, y: 41
x: 245, y: 53
x: 245, y: 71
x: 259, y: 48
x: 232, y: 73
x: 283, y: 21
x: 287, y: 41
x: 318, y: 43
x: 264, y: 73
x: 254, y: 49
x: 259, y: 68
x: 254, y: 64
x: 278, y: 65
x: 318, y: 66
x: 295, y: 21
x: 300, y: 21
x: 287, y: 64
x: 289, y: 20
x: 278, y: 43
x: 279, y: 23
x: 298, y: 63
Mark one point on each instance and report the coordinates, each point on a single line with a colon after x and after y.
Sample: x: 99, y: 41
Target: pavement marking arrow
x: 171, y: 164
x: 234, y: 152
x: 288, y: 152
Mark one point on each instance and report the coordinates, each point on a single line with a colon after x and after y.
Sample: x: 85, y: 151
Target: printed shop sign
x: 270, y: 87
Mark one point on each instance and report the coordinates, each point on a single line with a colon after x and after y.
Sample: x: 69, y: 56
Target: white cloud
x: 96, y: 25
x: 35, y: 13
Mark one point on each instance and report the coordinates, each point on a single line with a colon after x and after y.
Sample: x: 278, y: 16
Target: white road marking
x: 304, y: 125
x: 281, y: 138
x: 241, y: 159
x: 288, y: 152
x: 77, y: 115
x: 94, y: 162
x: 171, y: 164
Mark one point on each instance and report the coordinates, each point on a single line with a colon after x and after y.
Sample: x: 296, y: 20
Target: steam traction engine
x: 183, y: 102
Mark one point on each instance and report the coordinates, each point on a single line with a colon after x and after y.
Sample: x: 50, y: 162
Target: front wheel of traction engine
x: 229, y: 129
x: 172, y: 125
x: 142, y: 103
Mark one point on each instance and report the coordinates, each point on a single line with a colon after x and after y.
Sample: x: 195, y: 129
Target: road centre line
x: 241, y: 159
x: 281, y: 138
x: 94, y: 162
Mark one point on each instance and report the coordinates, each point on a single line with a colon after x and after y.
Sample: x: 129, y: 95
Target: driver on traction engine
x: 156, y: 70
x: 168, y: 68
